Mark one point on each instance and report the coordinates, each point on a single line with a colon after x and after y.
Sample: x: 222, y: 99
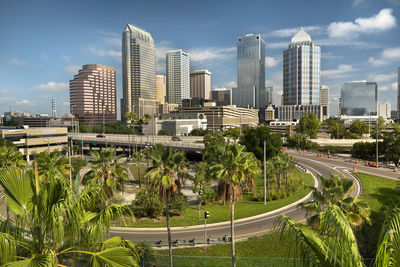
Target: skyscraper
x: 178, y: 76
x: 301, y: 71
x: 222, y: 96
x: 269, y: 90
x: 138, y: 67
x: 358, y: 98
x: 398, y: 93
x: 250, y: 91
x: 200, y: 84
x: 53, y: 108
x: 93, y: 94
x: 324, y: 98
x: 161, y: 88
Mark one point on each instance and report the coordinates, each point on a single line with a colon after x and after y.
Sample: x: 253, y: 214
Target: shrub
x: 178, y: 203
x: 147, y: 204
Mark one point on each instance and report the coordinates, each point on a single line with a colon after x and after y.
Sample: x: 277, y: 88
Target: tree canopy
x: 309, y: 125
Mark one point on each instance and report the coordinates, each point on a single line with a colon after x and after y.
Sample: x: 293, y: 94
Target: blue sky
x: 44, y: 43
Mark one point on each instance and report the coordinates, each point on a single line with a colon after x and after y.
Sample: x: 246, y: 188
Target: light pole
x: 48, y: 145
x: 377, y: 163
x: 206, y: 215
x: 200, y: 194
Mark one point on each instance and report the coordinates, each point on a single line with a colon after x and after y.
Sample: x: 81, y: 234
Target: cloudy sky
x: 44, y: 43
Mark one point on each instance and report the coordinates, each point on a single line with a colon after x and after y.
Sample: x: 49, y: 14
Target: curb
x: 195, y: 227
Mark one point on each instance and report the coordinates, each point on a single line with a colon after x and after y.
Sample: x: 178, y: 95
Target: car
x: 100, y: 136
x: 176, y: 138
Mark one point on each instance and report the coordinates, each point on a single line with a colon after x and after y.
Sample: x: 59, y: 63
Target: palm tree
x: 11, y: 157
x: 132, y: 120
x: 51, y: 164
x: 278, y: 167
x: 270, y: 169
x: 287, y: 166
x: 163, y: 177
x: 235, y: 168
x: 108, y: 170
x: 336, y: 191
x: 333, y: 243
x: 52, y: 225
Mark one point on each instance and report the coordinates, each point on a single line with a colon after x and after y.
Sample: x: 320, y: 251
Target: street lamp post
x: 48, y: 145
x: 265, y: 174
x: 377, y: 160
x: 206, y: 215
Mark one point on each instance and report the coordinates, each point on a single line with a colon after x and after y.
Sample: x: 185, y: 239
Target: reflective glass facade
x: 301, y: 71
x: 359, y: 98
x: 178, y: 76
x: 251, y: 72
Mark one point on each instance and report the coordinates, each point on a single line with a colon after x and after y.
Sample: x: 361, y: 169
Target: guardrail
x: 193, y: 242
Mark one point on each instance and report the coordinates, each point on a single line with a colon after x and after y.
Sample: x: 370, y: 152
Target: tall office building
x: 178, y: 76
x: 250, y: 72
x: 93, y: 95
x: 269, y: 90
x: 301, y: 71
x: 161, y: 88
x: 53, y: 108
x: 324, y: 98
x: 358, y: 98
x: 200, y: 84
x: 398, y: 93
x: 138, y: 67
x: 384, y: 110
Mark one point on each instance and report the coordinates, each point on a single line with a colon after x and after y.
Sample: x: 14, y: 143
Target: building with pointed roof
x: 138, y: 68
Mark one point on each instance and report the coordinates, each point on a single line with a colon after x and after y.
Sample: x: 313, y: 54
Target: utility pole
x: 265, y: 174
x: 206, y: 215
x: 200, y: 193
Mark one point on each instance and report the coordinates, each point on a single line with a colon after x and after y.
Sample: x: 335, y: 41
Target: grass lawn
x: 220, y: 213
x: 382, y: 195
x: 268, y: 250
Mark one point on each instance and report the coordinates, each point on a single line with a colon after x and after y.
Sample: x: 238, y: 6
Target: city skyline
x: 359, y: 41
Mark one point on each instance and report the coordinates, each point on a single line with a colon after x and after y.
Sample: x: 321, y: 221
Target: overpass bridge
x: 125, y: 141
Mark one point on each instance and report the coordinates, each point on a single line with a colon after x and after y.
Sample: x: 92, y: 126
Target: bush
x: 147, y: 204
x: 178, y: 203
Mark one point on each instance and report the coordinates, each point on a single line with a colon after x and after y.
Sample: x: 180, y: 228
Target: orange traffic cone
x: 329, y: 155
x: 354, y: 168
x: 395, y: 169
x: 356, y: 161
x: 305, y: 151
x: 366, y: 163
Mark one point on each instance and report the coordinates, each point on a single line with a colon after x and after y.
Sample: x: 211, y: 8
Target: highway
x: 244, y: 228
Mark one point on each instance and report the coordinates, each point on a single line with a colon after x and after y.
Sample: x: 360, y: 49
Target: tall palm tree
x: 287, y: 166
x: 163, y: 177
x: 137, y: 157
x: 11, y: 157
x: 270, y: 169
x: 278, y: 167
x: 52, y: 225
x: 336, y: 190
x: 51, y: 164
x: 132, y: 120
x: 333, y: 243
x: 235, y: 169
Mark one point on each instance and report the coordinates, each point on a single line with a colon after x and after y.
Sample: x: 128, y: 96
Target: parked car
x: 176, y: 138
x: 100, y: 136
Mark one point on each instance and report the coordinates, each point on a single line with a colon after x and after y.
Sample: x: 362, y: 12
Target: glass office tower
x: 250, y: 72
x: 178, y: 76
x: 358, y: 98
x: 301, y: 71
x: 138, y: 67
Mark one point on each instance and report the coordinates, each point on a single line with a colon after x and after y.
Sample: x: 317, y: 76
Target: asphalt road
x: 244, y: 228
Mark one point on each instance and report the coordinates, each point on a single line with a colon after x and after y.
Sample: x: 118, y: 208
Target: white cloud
x: 210, y: 54
x: 161, y: 49
x: 377, y: 62
x: 391, y: 53
x: 110, y: 38
x: 340, y: 72
x: 271, y: 62
x: 72, y: 69
x: 106, y: 53
x: 230, y: 84
x: 382, y: 78
x: 277, y: 45
x: 289, y: 32
x: 3, y: 92
x: 65, y: 104
x: 394, y: 86
x: 17, y: 62
x: 24, y: 102
x: 50, y: 87
x: 382, y: 21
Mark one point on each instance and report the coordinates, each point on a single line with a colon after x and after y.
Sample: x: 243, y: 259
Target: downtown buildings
x: 359, y: 98
x: 250, y: 92
x: 93, y: 95
x: 200, y: 84
x: 138, y: 72
x: 178, y: 76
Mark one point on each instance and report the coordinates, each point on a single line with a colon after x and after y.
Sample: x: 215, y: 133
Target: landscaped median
x: 247, y: 207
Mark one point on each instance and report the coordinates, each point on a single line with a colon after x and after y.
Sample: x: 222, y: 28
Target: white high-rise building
x: 324, y: 98
x: 178, y: 76
x: 138, y: 67
x: 301, y: 71
x: 384, y: 110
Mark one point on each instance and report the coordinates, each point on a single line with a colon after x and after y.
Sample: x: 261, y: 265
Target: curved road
x: 244, y: 228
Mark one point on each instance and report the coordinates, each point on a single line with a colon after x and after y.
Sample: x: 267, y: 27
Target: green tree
x: 51, y: 224
x: 364, y: 150
x: 253, y: 139
x: 336, y: 128
x: 233, y: 133
x: 359, y: 127
x: 278, y: 168
x: 78, y: 164
x: 11, y: 157
x: 336, y: 191
x: 236, y: 168
x: 391, y: 145
x: 163, y: 177
x: 50, y: 164
x: 309, y: 125
x: 381, y: 127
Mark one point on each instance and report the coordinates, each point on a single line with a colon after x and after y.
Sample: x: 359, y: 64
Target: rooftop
x: 301, y: 36
x: 139, y: 32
